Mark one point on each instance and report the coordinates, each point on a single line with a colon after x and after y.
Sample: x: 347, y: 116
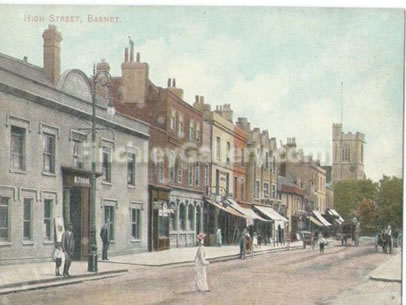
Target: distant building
x: 292, y: 196
x: 348, y: 155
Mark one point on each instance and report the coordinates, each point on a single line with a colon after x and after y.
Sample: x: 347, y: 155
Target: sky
x: 282, y: 68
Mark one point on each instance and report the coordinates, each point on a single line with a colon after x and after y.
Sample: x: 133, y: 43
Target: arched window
x: 173, y: 222
x: 198, y: 219
x: 191, y: 217
x: 346, y: 153
x: 182, y: 216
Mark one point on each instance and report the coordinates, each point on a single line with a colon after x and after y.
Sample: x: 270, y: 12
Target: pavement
x: 390, y: 271
x: 24, y: 277
x: 383, y: 286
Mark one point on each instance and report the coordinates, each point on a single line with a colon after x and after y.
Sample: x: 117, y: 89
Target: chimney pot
x: 126, y: 54
x: 138, y: 57
x: 174, y: 82
x: 25, y: 59
x: 169, y: 82
x: 197, y: 99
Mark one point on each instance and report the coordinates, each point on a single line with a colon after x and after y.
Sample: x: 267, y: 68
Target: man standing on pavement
x: 105, y: 236
x: 243, y: 243
x: 68, y: 247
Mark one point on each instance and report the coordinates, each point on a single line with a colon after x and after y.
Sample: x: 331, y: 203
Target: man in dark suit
x: 68, y: 247
x: 105, y: 237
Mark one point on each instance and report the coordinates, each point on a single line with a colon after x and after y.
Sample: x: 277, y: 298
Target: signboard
x: 59, y: 228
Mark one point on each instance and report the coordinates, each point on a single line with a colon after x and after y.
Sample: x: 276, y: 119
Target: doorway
x: 80, y: 219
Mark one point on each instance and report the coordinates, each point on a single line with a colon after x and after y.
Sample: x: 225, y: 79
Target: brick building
x: 176, y: 175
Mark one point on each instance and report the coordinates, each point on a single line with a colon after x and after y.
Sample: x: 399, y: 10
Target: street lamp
x: 102, y: 78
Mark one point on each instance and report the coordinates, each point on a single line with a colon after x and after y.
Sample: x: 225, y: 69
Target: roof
x: 24, y: 69
x: 286, y: 185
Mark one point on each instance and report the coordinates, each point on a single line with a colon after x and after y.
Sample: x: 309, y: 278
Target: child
x: 322, y: 243
x: 58, y: 258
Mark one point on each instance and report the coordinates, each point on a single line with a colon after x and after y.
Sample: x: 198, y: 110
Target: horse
x: 385, y: 241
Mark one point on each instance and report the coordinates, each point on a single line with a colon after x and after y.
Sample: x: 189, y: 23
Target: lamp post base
x: 92, y: 263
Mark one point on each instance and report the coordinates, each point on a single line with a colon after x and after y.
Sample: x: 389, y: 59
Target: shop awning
x: 271, y: 213
x: 247, y: 212
x: 315, y: 221
x: 321, y: 219
x: 338, y: 215
x: 228, y: 209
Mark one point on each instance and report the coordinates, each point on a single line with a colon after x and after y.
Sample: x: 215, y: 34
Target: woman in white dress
x: 200, y: 266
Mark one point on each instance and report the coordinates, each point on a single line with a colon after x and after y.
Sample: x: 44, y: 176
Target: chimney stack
x: 52, y: 53
x: 243, y: 124
x: 134, y: 76
x: 172, y: 88
x: 225, y: 111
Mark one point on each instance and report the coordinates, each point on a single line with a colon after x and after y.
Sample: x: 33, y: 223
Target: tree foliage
x: 349, y: 194
x: 368, y: 215
x: 376, y: 205
x: 390, y: 202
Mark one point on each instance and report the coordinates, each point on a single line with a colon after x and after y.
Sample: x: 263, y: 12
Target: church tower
x: 348, y: 155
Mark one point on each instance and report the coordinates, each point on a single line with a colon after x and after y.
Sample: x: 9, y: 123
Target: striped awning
x: 321, y: 218
x: 271, y: 213
x: 227, y: 209
x: 247, y: 212
x: 315, y: 221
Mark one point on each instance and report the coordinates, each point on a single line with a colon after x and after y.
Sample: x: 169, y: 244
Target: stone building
x: 176, y: 174
x: 348, y: 155
x: 45, y: 164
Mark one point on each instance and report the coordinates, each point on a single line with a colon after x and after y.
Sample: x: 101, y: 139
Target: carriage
x: 348, y: 231
x: 383, y: 240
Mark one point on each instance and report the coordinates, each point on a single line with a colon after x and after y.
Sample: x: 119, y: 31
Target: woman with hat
x: 200, y: 265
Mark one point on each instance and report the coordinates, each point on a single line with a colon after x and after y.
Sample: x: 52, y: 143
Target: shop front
x: 159, y: 214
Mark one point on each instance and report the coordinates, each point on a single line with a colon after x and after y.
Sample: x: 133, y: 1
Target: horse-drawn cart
x: 349, y: 230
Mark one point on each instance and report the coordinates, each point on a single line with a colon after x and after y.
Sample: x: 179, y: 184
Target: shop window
x: 191, y: 217
x: 182, y: 217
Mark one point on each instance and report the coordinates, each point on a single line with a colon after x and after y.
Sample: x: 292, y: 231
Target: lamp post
x: 101, y: 78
